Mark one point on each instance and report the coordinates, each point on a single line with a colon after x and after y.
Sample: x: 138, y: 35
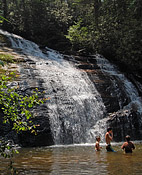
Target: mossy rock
x: 6, y: 58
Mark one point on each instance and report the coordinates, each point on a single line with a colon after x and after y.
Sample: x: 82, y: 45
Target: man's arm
x: 111, y: 136
x: 123, y: 146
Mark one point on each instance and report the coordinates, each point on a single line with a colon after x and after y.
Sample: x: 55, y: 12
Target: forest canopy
x: 109, y: 27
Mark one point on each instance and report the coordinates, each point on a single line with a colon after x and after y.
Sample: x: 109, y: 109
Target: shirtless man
x: 128, y: 146
x: 109, y: 138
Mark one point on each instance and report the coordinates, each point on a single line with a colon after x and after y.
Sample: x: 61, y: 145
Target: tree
x: 113, y: 26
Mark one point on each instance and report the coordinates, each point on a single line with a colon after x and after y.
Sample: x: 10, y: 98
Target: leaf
x: 16, y: 151
x: 30, y: 105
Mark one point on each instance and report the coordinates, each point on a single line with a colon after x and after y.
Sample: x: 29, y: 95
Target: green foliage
x: 16, y: 107
x: 78, y: 35
x: 112, y: 28
x: 43, y: 22
x: 6, y: 58
x: 119, y: 32
x: 62, y: 13
x: 17, y: 112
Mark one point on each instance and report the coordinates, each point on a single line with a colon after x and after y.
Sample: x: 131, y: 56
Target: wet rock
x: 43, y: 136
x: 126, y: 122
x: 110, y: 88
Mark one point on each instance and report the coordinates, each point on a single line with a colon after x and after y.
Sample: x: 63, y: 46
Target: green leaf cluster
x: 16, y: 107
x: 78, y: 35
x: 17, y: 111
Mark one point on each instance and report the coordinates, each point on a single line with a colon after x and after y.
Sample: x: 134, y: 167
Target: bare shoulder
x: 106, y: 134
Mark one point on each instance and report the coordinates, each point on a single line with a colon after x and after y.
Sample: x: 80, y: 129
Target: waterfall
x: 76, y: 110
x: 75, y: 104
x: 118, y: 78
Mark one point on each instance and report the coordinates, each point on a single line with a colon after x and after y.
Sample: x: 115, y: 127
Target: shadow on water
x: 73, y: 159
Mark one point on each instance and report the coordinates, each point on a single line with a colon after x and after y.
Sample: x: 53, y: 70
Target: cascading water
x: 118, y: 78
x: 75, y: 104
x: 76, y: 110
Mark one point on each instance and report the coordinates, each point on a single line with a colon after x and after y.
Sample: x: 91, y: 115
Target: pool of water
x: 74, y: 160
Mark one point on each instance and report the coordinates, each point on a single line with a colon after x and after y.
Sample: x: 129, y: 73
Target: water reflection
x: 78, y: 160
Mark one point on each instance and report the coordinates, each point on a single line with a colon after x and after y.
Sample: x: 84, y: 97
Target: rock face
x: 30, y: 80
x: 126, y: 123
x: 110, y: 86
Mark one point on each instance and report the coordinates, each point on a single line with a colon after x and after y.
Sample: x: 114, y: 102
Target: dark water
x: 74, y: 160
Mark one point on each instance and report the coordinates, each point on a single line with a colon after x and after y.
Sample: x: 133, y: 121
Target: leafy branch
x: 16, y: 107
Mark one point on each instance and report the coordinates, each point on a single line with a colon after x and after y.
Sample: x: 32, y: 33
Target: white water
x: 75, y: 104
x: 130, y: 90
x: 77, y: 113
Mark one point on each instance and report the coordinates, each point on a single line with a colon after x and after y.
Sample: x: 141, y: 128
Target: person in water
x: 109, y: 138
x: 128, y: 146
x: 97, y: 145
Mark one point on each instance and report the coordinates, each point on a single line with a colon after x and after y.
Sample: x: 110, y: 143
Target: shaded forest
x: 112, y: 28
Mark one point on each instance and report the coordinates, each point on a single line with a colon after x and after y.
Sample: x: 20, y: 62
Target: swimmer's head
x: 109, y: 129
x: 127, y: 138
x: 98, y: 138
